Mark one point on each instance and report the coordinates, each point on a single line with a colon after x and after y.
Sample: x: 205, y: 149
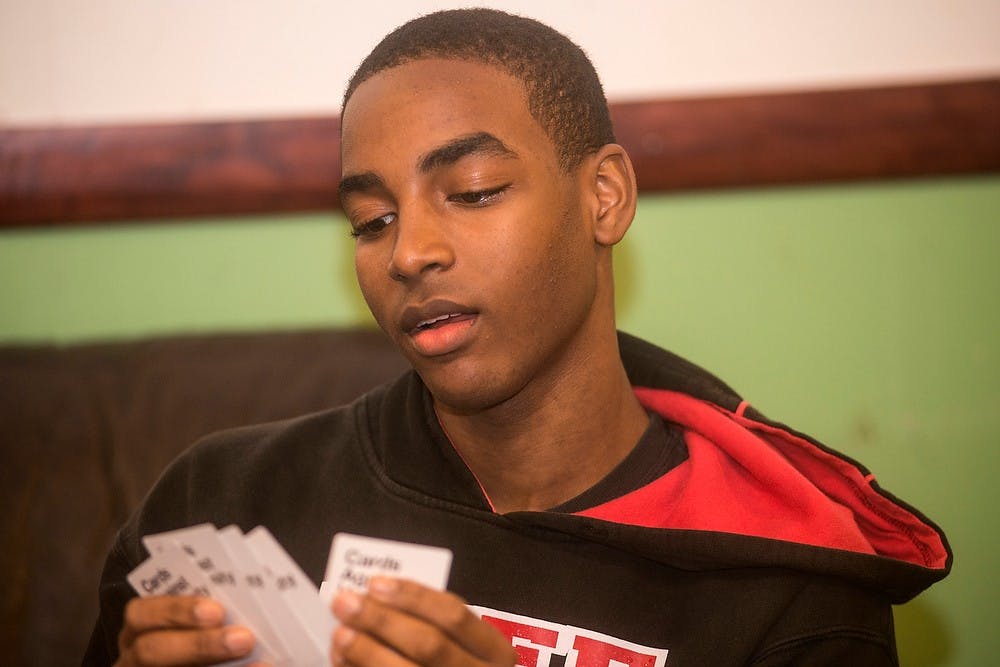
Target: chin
x: 466, y: 393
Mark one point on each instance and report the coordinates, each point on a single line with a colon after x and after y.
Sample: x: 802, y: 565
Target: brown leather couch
x: 87, y: 429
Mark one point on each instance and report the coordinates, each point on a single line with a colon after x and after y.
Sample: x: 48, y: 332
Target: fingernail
x: 208, y: 612
x: 238, y: 640
x: 346, y: 604
x: 342, y: 637
x: 383, y: 586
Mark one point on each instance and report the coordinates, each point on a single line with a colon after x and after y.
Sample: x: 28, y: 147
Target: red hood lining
x: 750, y: 478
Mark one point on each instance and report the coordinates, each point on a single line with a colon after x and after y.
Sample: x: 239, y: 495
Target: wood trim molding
x: 86, y: 174
x: 69, y: 175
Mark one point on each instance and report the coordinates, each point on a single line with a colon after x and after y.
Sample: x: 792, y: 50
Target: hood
x: 755, y: 493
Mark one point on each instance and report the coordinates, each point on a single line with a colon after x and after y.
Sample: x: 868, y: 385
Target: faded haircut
x: 563, y: 90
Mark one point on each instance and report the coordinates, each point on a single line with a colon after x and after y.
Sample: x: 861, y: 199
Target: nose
x: 421, y: 244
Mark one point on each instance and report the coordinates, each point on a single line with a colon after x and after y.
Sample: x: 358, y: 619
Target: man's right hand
x: 179, y: 630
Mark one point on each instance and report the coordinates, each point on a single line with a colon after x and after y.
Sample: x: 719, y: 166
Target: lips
x: 441, y: 320
x: 439, y: 326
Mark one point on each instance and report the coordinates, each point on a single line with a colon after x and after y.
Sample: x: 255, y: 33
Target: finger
x: 357, y: 649
x: 447, y: 611
x: 385, y: 637
x: 168, y: 611
x: 435, y: 641
x: 189, y: 646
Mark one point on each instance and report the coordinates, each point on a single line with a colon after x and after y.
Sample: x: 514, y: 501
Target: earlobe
x: 615, y: 190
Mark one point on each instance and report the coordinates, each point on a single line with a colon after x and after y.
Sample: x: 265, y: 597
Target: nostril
x: 421, y: 243
x: 436, y: 257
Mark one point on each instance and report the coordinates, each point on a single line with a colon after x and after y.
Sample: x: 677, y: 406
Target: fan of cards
x: 263, y: 588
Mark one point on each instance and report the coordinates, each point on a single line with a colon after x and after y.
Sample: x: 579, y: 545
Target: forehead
x: 404, y: 111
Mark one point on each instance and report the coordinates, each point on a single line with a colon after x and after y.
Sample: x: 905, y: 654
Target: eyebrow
x: 359, y: 183
x: 479, y: 143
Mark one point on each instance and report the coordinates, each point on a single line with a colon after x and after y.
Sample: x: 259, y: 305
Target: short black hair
x: 563, y: 89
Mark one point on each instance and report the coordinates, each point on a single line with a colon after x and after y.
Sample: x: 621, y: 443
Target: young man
x: 607, y: 503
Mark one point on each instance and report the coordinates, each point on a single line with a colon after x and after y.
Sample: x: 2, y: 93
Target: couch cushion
x: 87, y: 429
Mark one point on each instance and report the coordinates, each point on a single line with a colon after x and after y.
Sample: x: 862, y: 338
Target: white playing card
x: 299, y: 592
x: 203, y: 546
x: 354, y: 559
x: 171, y: 571
x: 168, y: 572
x: 302, y: 649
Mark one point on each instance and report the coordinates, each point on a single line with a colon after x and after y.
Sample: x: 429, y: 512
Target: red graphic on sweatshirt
x: 537, y: 641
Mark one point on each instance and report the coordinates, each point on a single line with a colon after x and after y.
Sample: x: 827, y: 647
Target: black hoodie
x: 759, y: 546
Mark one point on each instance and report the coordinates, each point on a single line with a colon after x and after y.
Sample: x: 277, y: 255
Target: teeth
x: 427, y: 323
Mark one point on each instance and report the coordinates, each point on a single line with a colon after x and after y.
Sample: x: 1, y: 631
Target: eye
x: 373, y: 227
x: 477, y: 198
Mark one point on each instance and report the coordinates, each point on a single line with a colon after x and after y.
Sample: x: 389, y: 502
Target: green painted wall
x: 867, y: 315
x: 124, y: 281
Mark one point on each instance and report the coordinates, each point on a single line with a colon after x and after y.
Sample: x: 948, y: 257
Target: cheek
x: 551, y: 265
x: 573, y: 272
x: 569, y: 252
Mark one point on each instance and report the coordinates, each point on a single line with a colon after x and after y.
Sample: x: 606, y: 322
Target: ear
x: 615, y: 193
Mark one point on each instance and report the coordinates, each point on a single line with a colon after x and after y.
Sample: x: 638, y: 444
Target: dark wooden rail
x: 83, y: 174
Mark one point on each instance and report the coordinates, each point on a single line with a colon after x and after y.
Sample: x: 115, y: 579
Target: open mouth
x: 438, y: 327
x: 441, y: 320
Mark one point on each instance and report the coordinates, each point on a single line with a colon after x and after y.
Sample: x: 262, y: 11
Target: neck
x: 554, y: 439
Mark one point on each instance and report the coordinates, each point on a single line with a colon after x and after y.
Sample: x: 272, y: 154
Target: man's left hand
x: 400, y: 623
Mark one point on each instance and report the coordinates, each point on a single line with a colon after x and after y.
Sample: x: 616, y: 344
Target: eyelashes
x: 478, y: 198
x: 374, y: 226
x: 469, y: 199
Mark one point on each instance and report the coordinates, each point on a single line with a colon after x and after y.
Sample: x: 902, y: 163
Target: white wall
x: 87, y: 61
